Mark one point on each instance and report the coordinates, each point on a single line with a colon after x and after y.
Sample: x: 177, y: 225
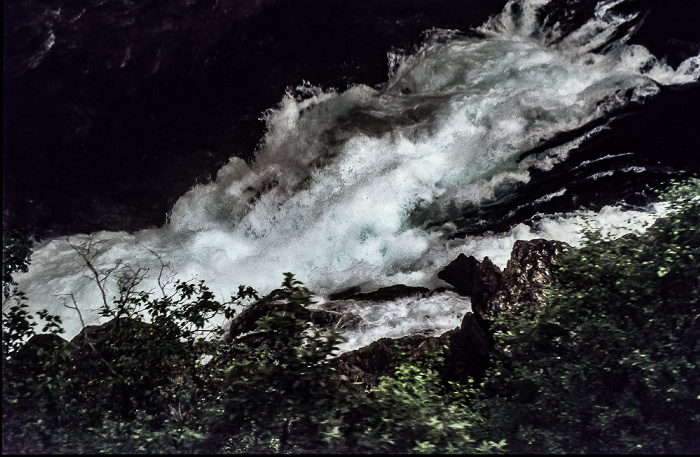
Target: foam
x: 429, y: 316
x: 345, y: 184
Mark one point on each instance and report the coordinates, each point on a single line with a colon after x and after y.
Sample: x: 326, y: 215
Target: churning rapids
x: 374, y: 187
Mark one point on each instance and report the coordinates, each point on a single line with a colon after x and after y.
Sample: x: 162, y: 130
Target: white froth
x: 429, y: 316
x: 344, y: 183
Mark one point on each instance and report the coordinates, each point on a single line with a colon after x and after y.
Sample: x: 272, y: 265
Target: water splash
x: 347, y: 187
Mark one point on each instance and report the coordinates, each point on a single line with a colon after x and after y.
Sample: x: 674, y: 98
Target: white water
x: 344, y: 183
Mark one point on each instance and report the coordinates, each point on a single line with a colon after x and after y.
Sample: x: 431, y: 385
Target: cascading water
x: 369, y: 186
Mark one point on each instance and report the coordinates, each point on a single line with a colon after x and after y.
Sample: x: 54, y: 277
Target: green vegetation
x: 150, y: 380
x: 609, y: 364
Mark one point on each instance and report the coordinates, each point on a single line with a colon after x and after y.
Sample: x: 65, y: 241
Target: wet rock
x: 478, y: 280
x: 469, y: 351
x: 524, y: 280
x: 383, y: 294
x: 346, y: 302
x: 526, y: 277
x: 277, y: 300
x: 345, y: 294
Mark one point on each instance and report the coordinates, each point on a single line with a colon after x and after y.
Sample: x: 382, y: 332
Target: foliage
x: 414, y: 411
x: 608, y: 364
x: 138, y: 384
x: 274, y: 396
x: 129, y: 385
x: 16, y: 256
x: 611, y: 363
x: 31, y: 374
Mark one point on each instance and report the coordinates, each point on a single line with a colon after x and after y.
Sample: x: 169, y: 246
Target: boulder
x: 524, y: 280
x: 93, y: 341
x: 527, y: 276
x: 39, y: 350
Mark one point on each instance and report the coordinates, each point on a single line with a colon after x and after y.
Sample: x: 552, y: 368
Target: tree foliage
x: 611, y: 362
x: 150, y: 381
x: 608, y: 364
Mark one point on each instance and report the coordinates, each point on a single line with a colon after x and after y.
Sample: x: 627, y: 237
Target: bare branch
x: 163, y: 266
x: 128, y: 280
x: 88, y: 251
x: 75, y: 307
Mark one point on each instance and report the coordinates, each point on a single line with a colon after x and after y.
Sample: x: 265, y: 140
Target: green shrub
x: 415, y: 411
x: 612, y: 362
x: 609, y: 364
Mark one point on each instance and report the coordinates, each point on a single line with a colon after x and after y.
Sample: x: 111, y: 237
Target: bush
x: 608, y: 364
x: 139, y: 384
x: 415, y: 411
x: 611, y: 362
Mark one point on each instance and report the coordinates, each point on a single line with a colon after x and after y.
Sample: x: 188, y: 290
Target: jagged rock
x: 524, y: 280
x: 95, y: 332
x: 478, y: 280
x: 527, y: 275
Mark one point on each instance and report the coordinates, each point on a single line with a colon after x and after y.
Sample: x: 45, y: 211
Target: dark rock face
x: 470, y: 348
x: 523, y: 283
x: 524, y: 280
